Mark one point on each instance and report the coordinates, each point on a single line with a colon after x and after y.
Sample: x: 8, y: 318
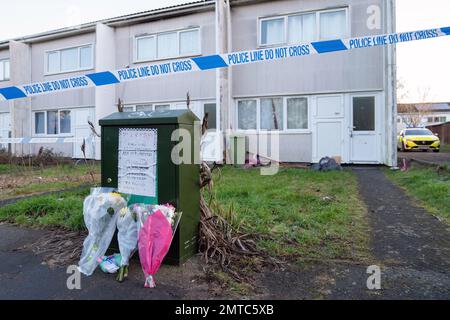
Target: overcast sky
x: 423, y: 67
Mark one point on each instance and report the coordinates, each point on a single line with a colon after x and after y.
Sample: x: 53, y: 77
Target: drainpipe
x: 222, y: 94
x: 391, y: 101
x: 230, y: 69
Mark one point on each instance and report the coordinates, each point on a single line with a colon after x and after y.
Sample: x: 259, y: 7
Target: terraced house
x: 338, y: 104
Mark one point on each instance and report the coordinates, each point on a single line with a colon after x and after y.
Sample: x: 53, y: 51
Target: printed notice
x: 137, y: 161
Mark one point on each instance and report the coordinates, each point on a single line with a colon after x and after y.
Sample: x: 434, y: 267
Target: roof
x: 138, y: 17
x: 421, y: 107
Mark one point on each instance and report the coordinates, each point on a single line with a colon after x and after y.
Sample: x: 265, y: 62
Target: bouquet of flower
x: 127, y: 238
x: 100, y: 210
x: 142, y: 212
x: 155, y: 238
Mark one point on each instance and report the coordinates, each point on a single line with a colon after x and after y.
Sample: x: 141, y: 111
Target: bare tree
x: 412, y: 114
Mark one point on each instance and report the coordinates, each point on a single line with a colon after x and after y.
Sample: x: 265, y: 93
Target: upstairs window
x: 272, y: 31
x: 4, y: 70
x: 168, y: 45
x: 69, y: 60
x: 333, y: 24
x: 304, y: 27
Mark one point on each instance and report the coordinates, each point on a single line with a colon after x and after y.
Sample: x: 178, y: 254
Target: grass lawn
x: 445, y: 148
x: 430, y: 188
x: 52, y: 210
x: 17, y: 181
x: 320, y: 210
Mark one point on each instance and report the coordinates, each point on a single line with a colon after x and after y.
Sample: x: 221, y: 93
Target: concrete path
x: 24, y: 276
x: 411, y: 244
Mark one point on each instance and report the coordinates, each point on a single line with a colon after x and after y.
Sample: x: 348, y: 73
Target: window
x: 430, y: 119
x: 297, y: 113
x: 211, y: 110
x: 39, y: 123
x: 53, y: 122
x: 86, y: 57
x: 146, y: 48
x: 364, y: 114
x: 189, y: 41
x: 247, y: 117
x: 4, y: 70
x: 53, y: 64
x: 438, y: 119
x: 302, y: 28
x: 333, y: 24
x: 271, y: 114
x: 69, y: 60
x: 162, y: 107
x: 306, y: 27
x: 168, y: 45
x: 272, y: 31
x: 129, y: 109
x: 144, y: 107
x: 64, y: 122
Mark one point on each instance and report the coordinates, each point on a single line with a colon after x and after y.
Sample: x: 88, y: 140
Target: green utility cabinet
x: 136, y: 149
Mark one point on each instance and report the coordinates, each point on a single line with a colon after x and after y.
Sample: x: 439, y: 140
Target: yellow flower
x: 123, y: 212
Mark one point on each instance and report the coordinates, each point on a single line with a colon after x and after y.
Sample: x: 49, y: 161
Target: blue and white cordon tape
x: 216, y: 61
x: 44, y: 140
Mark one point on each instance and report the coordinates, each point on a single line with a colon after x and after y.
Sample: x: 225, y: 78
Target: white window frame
x: 79, y: 68
x: 258, y: 116
x: 154, y: 105
x: 155, y: 35
x: 46, y: 134
x: 250, y: 131
x: 286, y: 27
x: 347, y: 20
x: 34, y: 123
x: 285, y: 114
x: 260, y: 31
x: 3, y: 77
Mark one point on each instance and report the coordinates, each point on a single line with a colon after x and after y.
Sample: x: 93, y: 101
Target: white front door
x: 364, y: 132
x: 328, y: 127
x: 5, y: 127
x: 83, y: 131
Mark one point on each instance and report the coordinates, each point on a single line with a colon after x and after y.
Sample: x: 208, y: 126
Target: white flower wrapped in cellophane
x: 100, y: 210
x: 168, y: 211
x: 127, y: 237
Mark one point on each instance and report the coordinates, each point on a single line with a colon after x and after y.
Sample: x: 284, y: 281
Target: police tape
x: 45, y: 140
x: 216, y: 61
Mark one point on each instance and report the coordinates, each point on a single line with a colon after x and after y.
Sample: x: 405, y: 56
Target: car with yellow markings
x: 418, y: 139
